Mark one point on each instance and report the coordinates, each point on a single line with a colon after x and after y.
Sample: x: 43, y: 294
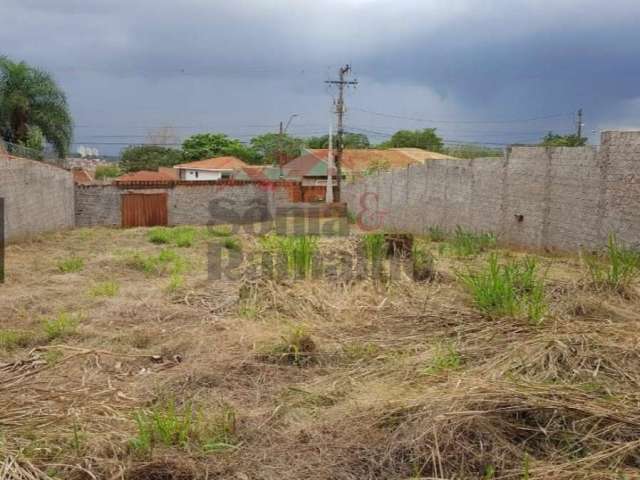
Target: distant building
x: 211, y: 169
x: 311, y: 167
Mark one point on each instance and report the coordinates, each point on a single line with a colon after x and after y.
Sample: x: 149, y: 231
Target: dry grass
x: 316, y: 379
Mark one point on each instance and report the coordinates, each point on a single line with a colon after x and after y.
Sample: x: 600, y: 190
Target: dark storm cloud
x: 255, y: 61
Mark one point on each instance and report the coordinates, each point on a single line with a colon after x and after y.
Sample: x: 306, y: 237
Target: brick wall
x: 38, y: 197
x: 564, y: 198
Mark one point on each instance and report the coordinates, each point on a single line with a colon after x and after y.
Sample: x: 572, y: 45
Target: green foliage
x: 445, y: 357
x: 466, y: 244
x: 472, y: 151
x: 107, y: 171
x: 270, y: 145
x: 109, y: 288
x: 297, y: 250
x: 12, y: 339
x: 555, y: 140
x: 167, y: 261
x: 426, y: 139
x: 210, y: 145
x: 35, y: 139
x: 149, y: 157
x: 617, y: 270
x: 179, y: 236
x: 62, y: 325
x: 32, y: 106
x: 375, y: 247
x: 71, y: 264
x: 180, y: 426
x: 512, y: 289
x: 350, y: 140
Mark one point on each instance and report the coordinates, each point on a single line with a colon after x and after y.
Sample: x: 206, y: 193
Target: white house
x: 211, y: 169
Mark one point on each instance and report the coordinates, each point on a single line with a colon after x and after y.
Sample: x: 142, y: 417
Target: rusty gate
x: 144, y: 209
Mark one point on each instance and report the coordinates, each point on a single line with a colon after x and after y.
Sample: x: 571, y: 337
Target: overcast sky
x: 478, y: 70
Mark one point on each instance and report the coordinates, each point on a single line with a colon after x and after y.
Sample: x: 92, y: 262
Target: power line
x: 425, y: 120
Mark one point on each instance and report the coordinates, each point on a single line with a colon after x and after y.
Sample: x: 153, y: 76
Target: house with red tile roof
x: 217, y: 168
x: 144, y: 176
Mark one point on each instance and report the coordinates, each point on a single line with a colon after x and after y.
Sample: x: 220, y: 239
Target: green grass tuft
x: 108, y: 288
x: 467, y: 244
x: 71, y: 264
x: 446, y: 357
x: 297, y: 250
x: 167, y: 261
x: 436, y: 234
x: 12, y: 339
x: 61, y: 326
x: 617, y: 270
x: 375, y: 247
x: 178, y: 236
x: 512, y: 289
x: 231, y: 244
x: 218, y: 232
x: 170, y: 425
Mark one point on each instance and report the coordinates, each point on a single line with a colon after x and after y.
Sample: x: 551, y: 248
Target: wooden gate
x: 144, y: 209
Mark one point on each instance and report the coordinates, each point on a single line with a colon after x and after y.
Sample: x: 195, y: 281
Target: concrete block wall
x: 219, y: 204
x: 564, y: 198
x: 38, y: 197
x: 197, y: 204
x: 98, y: 205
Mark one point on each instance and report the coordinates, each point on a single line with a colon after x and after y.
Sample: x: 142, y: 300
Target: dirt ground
x: 117, y: 364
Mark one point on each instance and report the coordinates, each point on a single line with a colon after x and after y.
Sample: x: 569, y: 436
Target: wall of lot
x: 196, y: 203
x: 38, y: 197
x: 564, y: 198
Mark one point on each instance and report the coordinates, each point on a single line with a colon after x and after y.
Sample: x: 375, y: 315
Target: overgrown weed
x: 617, y: 269
x: 510, y: 289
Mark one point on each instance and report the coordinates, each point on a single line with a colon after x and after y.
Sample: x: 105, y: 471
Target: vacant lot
x: 120, y: 359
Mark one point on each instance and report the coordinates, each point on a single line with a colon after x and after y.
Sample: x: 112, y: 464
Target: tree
x: 351, y: 140
x: 149, y: 157
x: 270, y: 145
x: 207, y: 145
x: 30, y: 99
x: 556, y: 140
x: 473, y: 151
x: 426, y: 139
x: 107, y: 171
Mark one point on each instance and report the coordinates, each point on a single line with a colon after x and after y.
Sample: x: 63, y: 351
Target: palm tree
x: 30, y: 101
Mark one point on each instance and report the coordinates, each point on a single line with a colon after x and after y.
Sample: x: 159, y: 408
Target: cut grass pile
x: 511, y: 289
x: 394, y: 380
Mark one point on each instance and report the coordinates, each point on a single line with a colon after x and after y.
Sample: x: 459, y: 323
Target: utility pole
x: 579, y: 124
x: 342, y: 83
